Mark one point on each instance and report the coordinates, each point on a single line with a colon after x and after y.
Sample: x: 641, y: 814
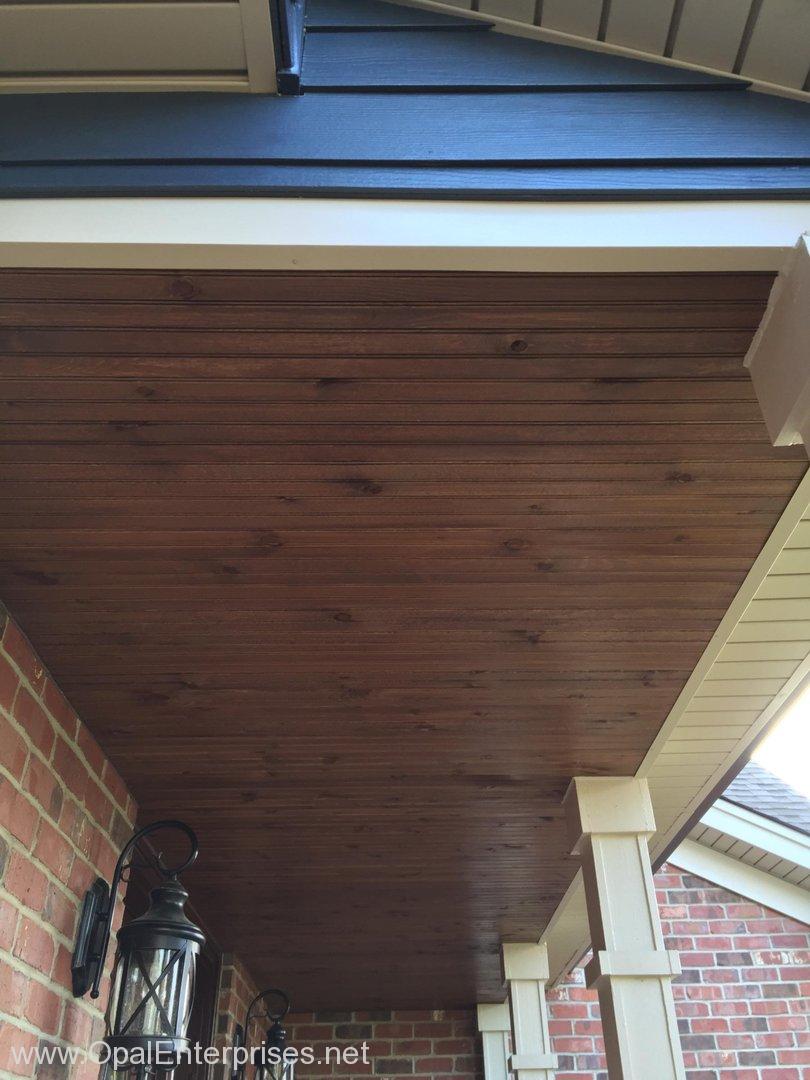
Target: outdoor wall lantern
x: 271, y: 1065
x: 153, y: 980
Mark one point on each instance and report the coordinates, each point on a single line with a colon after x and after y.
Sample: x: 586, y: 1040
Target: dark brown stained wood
x: 353, y: 572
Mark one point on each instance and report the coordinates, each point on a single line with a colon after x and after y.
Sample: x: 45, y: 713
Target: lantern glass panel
x: 151, y: 984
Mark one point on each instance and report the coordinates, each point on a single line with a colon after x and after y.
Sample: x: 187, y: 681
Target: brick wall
x: 742, y: 1000
x: 236, y: 991
x: 422, y: 1045
x: 742, y: 1003
x: 64, y: 816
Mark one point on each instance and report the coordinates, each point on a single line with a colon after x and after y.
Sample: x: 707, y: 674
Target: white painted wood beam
x: 748, y: 881
x: 609, y: 822
x: 395, y: 234
x: 779, y: 357
x: 525, y: 969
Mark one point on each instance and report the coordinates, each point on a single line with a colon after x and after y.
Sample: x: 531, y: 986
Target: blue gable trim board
x: 421, y: 111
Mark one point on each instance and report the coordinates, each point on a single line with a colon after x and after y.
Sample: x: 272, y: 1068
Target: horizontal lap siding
x: 401, y: 102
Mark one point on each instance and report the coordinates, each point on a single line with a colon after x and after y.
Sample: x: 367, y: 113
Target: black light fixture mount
x: 272, y: 1065
x: 153, y: 981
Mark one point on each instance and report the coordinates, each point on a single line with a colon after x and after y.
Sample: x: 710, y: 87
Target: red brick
x: 96, y: 757
x: 433, y: 1064
x: 54, y: 851
x: 34, y: 721
x: 8, y: 924
x: 63, y: 713
x: 34, y: 946
x: 17, y: 646
x: 60, y: 912
x: 70, y: 769
x: 13, y: 988
x: 15, y: 750
x: 43, y: 1009
x: 98, y: 805
x: 433, y: 1029
x: 17, y: 814
x: 11, y: 1039
x: 76, y: 1025
x: 25, y: 881
x: 394, y: 1031
x: 40, y: 782
x: 61, y: 969
x: 9, y: 681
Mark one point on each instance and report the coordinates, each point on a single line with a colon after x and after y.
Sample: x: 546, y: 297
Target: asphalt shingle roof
x: 758, y: 790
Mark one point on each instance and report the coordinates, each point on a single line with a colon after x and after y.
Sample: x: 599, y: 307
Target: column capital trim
x: 528, y: 961
x: 607, y: 805
x: 494, y: 1017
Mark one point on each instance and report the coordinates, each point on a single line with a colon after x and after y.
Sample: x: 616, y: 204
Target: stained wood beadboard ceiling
x: 355, y: 571
x: 767, y: 41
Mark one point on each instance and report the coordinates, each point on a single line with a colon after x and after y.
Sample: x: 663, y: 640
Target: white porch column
x: 494, y: 1025
x: 525, y: 968
x: 609, y: 820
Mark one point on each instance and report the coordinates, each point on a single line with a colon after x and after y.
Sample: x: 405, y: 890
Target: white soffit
x: 757, y: 841
x: 765, y: 42
x: 136, y: 45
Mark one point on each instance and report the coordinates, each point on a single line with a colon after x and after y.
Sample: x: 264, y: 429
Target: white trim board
x: 362, y: 234
x: 756, y: 840
x: 742, y: 879
x: 75, y: 45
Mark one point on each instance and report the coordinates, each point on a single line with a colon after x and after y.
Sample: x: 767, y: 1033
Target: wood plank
x: 247, y: 482
x: 15, y: 390
x: 553, y: 128
x: 145, y: 432
x: 510, y: 181
x: 291, y: 316
x: 372, y: 343
x: 328, y: 370
x: 363, y: 455
x: 501, y: 413
x: 403, y: 477
x: 351, y: 15
x: 424, y: 60
x: 352, y: 287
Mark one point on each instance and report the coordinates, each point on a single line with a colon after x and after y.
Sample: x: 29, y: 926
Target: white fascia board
x: 758, y: 831
x: 738, y: 877
x: 382, y: 234
x: 778, y: 357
